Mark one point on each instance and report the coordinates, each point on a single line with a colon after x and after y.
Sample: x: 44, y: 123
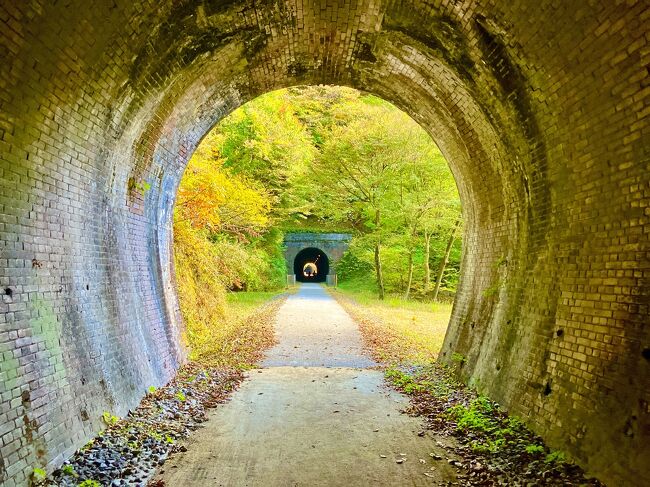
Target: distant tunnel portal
x: 311, y: 265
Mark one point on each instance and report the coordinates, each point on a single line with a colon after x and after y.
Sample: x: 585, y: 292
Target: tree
x: 212, y: 199
x: 428, y: 199
x: 267, y: 143
x: 321, y: 157
x: 360, y: 173
x: 445, y: 259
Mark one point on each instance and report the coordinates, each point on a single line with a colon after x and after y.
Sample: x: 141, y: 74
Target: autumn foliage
x: 213, y: 200
x: 219, y: 220
x: 312, y: 159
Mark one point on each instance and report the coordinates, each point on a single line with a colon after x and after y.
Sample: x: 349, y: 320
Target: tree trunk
x: 445, y: 259
x: 409, y: 281
x: 380, y: 274
x: 427, y: 267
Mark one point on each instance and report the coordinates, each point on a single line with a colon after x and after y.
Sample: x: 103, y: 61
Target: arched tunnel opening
x: 541, y: 113
x: 311, y: 265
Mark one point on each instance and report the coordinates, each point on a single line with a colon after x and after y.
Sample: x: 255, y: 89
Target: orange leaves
x: 212, y: 198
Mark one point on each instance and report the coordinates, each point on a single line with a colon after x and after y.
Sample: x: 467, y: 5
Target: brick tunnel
x: 542, y: 113
x: 311, y: 265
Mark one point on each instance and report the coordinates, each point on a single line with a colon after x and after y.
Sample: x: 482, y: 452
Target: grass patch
x: 394, y: 330
x: 242, y: 304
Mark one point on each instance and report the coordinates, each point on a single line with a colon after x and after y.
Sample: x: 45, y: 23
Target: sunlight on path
x: 314, y: 416
x: 313, y: 330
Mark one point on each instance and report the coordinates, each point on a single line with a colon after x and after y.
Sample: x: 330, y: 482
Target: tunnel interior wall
x: 542, y: 114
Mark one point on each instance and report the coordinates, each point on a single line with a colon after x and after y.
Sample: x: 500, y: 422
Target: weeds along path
x: 316, y: 414
x: 486, y: 445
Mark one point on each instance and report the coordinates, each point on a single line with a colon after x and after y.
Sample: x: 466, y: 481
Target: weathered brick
x: 542, y: 114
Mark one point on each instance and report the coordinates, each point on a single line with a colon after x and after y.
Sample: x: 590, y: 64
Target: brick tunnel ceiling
x: 318, y: 260
x: 541, y: 113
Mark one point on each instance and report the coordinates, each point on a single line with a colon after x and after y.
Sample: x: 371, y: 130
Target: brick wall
x: 542, y: 111
x: 334, y: 245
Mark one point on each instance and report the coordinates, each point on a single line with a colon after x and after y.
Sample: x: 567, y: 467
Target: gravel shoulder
x: 130, y: 449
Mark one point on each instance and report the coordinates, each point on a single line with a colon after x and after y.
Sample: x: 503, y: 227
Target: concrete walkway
x: 316, y: 415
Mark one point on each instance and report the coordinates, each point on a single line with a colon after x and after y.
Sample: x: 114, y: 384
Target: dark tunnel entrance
x: 311, y: 265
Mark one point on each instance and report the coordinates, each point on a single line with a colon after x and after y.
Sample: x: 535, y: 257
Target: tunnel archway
x: 541, y: 115
x: 311, y: 265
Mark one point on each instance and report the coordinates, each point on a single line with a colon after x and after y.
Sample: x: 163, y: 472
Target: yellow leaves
x: 213, y: 199
x: 215, y: 333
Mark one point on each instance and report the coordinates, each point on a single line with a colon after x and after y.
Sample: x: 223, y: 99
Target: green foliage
x: 87, y: 446
x: 140, y: 186
x: 487, y: 445
x: 211, y: 198
x: 314, y: 225
x: 534, y: 449
x: 180, y: 396
x: 381, y: 172
x: 151, y: 389
x: 458, y: 358
x: 38, y: 476
x: 556, y: 456
x: 475, y: 417
x: 109, y: 419
x: 403, y: 381
x: 89, y: 483
x: 330, y: 159
x: 307, y: 159
x: 480, y: 424
x: 354, y: 265
x: 493, y: 429
x: 68, y: 470
x: 514, y: 423
x: 428, y: 380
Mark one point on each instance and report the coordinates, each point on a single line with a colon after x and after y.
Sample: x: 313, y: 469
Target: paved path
x: 315, y: 415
